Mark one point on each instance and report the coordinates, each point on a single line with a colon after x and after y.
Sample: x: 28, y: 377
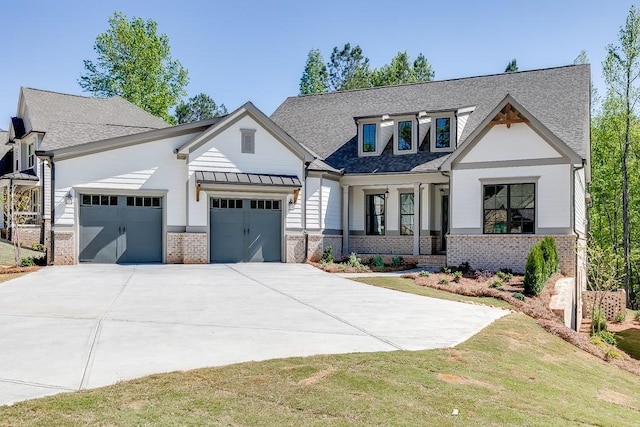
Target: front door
x: 445, y: 223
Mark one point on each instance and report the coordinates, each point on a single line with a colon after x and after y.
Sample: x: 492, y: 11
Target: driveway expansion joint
x: 338, y: 318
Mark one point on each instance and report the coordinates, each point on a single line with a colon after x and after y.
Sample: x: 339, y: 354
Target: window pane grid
x: 404, y: 136
x: 509, y: 209
x: 374, y: 218
x: 369, y: 138
x: 406, y: 214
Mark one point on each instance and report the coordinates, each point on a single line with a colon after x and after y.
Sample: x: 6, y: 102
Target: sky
x: 239, y: 51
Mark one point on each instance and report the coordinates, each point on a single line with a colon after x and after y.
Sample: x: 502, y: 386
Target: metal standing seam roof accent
x: 26, y: 175
x: 218, y: 177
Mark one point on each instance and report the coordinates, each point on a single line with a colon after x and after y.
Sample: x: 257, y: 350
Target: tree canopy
x: 135, y: 62
x: 348, y: 68
x: 512, y: 66
x: 199, y: 107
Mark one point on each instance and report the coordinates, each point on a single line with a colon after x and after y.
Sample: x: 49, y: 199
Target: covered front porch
x: 399, y: 214
x: 20, y: 203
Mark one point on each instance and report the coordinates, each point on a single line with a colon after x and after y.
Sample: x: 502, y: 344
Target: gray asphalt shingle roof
x: 69, y: 120
x: 558, y: 97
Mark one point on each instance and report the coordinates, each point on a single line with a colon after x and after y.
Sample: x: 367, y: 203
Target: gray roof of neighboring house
x: 558, y: 97
x: 4, y: 148
x: 69, y: 120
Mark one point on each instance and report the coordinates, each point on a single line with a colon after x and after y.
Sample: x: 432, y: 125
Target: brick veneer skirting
x: 402, y: 245
x: 493, y: 252
x: 187, y: 248
x: 64, y: 247
x: 294, y: 248
x: 317, y: 244
x: 28, y: 235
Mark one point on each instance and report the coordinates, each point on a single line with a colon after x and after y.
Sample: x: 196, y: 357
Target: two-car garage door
x: 120, y: 229
x: 245, y: 230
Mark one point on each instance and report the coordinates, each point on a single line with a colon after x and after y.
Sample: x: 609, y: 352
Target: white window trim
x: 31, y: 157
x: 414, y: 135
x: 453, y: 129
x: 361, y: 152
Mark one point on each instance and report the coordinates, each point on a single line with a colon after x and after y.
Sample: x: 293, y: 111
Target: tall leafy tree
x: 135, y: 62
x: 422, y: 70
x: 400, y: 71
x: 199, y: 107
x: 621, y: 69
x: 512, y: 66
x: 315, y: 76
x: 348, y: 69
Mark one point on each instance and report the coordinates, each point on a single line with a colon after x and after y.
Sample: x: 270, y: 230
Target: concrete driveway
x: 77, y: 327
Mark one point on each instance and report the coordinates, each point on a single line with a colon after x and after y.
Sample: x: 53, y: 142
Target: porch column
x: 416, y: 218
x: 345, y: 220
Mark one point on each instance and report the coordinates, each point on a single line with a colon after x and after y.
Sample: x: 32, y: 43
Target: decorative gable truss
x: 508, y: 116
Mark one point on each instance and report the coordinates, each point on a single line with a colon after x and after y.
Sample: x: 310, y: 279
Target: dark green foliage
x: 464, y: 268
x: 598, y: 321
x: 443, y: 281
x: 497, y: 284
x: 199, y: 107
x: 535, y: 272
x: 27, y: 262
x: 550, y: 254
x: 397, y: 261
x: 377, y: 261
x: 518, y: 296
x: 506, y: 277
x: 327, y: 255
x: 457, y: 275
x: 608, y: 337
x: 512, y: 66
x: 620, y: 316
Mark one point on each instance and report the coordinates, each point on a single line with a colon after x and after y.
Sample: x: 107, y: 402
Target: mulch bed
x: 12, y: 270
x: 534, y: 307
x: 342, y: 268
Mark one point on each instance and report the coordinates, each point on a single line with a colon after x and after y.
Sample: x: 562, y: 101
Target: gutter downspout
x: 304, y: 213
x: 575, y: 231
x: 42, y: 198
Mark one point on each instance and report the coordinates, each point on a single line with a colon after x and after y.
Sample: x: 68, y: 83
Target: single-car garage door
x: 244, y: 230
x: 120, y: 229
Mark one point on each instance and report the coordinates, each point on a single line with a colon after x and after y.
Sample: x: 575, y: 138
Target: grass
x: 511, y: 373
x: 409, y: 286
x: 7, y: 256
x: 629, y: 341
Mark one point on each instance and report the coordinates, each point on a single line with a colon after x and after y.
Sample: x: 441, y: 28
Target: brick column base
x: 187, y: 248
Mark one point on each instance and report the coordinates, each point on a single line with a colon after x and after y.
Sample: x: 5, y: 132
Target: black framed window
x: 509, y: 208
x: 404, y: 135
x: 406, y: 214
x: 369, y: 138
x: 443, y: 132
x: 375, y: 209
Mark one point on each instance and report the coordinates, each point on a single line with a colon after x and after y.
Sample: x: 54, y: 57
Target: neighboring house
x: 467, y: 170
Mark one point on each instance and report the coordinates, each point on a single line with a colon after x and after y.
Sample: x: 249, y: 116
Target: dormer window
x: 443, y: 135
x: 369, y: 138
x: 404, y: 137
x: 31, y: 155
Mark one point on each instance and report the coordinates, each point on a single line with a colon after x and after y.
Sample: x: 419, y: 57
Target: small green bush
x: 397, y: 261
x: 620, y: 316
x: 608, y: 337
x: 464, y: 268
x: 535, y: 272
x: 505, y: 277
x: 443, y: 281
x: 518, y: 296
x: 424, y: 273
x: 598, y: 321
x: 550, y: 255
x: 27, y: 262
x: 497, y: 284
x: 377, y: 261
x: 327, y: 256
x: 638, y: 315
x: 354, y: 261
x: 445, y: 269
x: 457, y: 275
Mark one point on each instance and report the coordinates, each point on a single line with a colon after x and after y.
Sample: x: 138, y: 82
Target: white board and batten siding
x: 223, y: 153
x: 331, y: 205
x: 314, y: 201
x: 151, y: 166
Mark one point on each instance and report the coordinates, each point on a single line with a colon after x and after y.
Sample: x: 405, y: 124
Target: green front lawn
x: 511, y: 373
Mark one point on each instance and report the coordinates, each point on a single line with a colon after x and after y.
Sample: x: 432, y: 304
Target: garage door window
x: 226, y: 203
x: 143, y: 201
x: 99, y: 200
x: 266, y: 204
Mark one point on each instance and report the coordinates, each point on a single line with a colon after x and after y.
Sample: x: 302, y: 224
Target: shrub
x: 620, y: 316
x: 518, y: 296
x: 327, y: 255
x: 443, y: 281
x: 535, y: 272
x: 457, y: 275
x: 377, y: 261
x: 464, y: 268
x: 354, y: 261
x: 607, y: 337
x: 638, y: 315
x: 445, y: 269
x: 505, y: 277
x: 497, y: 284
x: 397, y: 261
x: 550, y: 255
x: 598, y: 321
x: 27, y: 262
x: 424, y: 273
